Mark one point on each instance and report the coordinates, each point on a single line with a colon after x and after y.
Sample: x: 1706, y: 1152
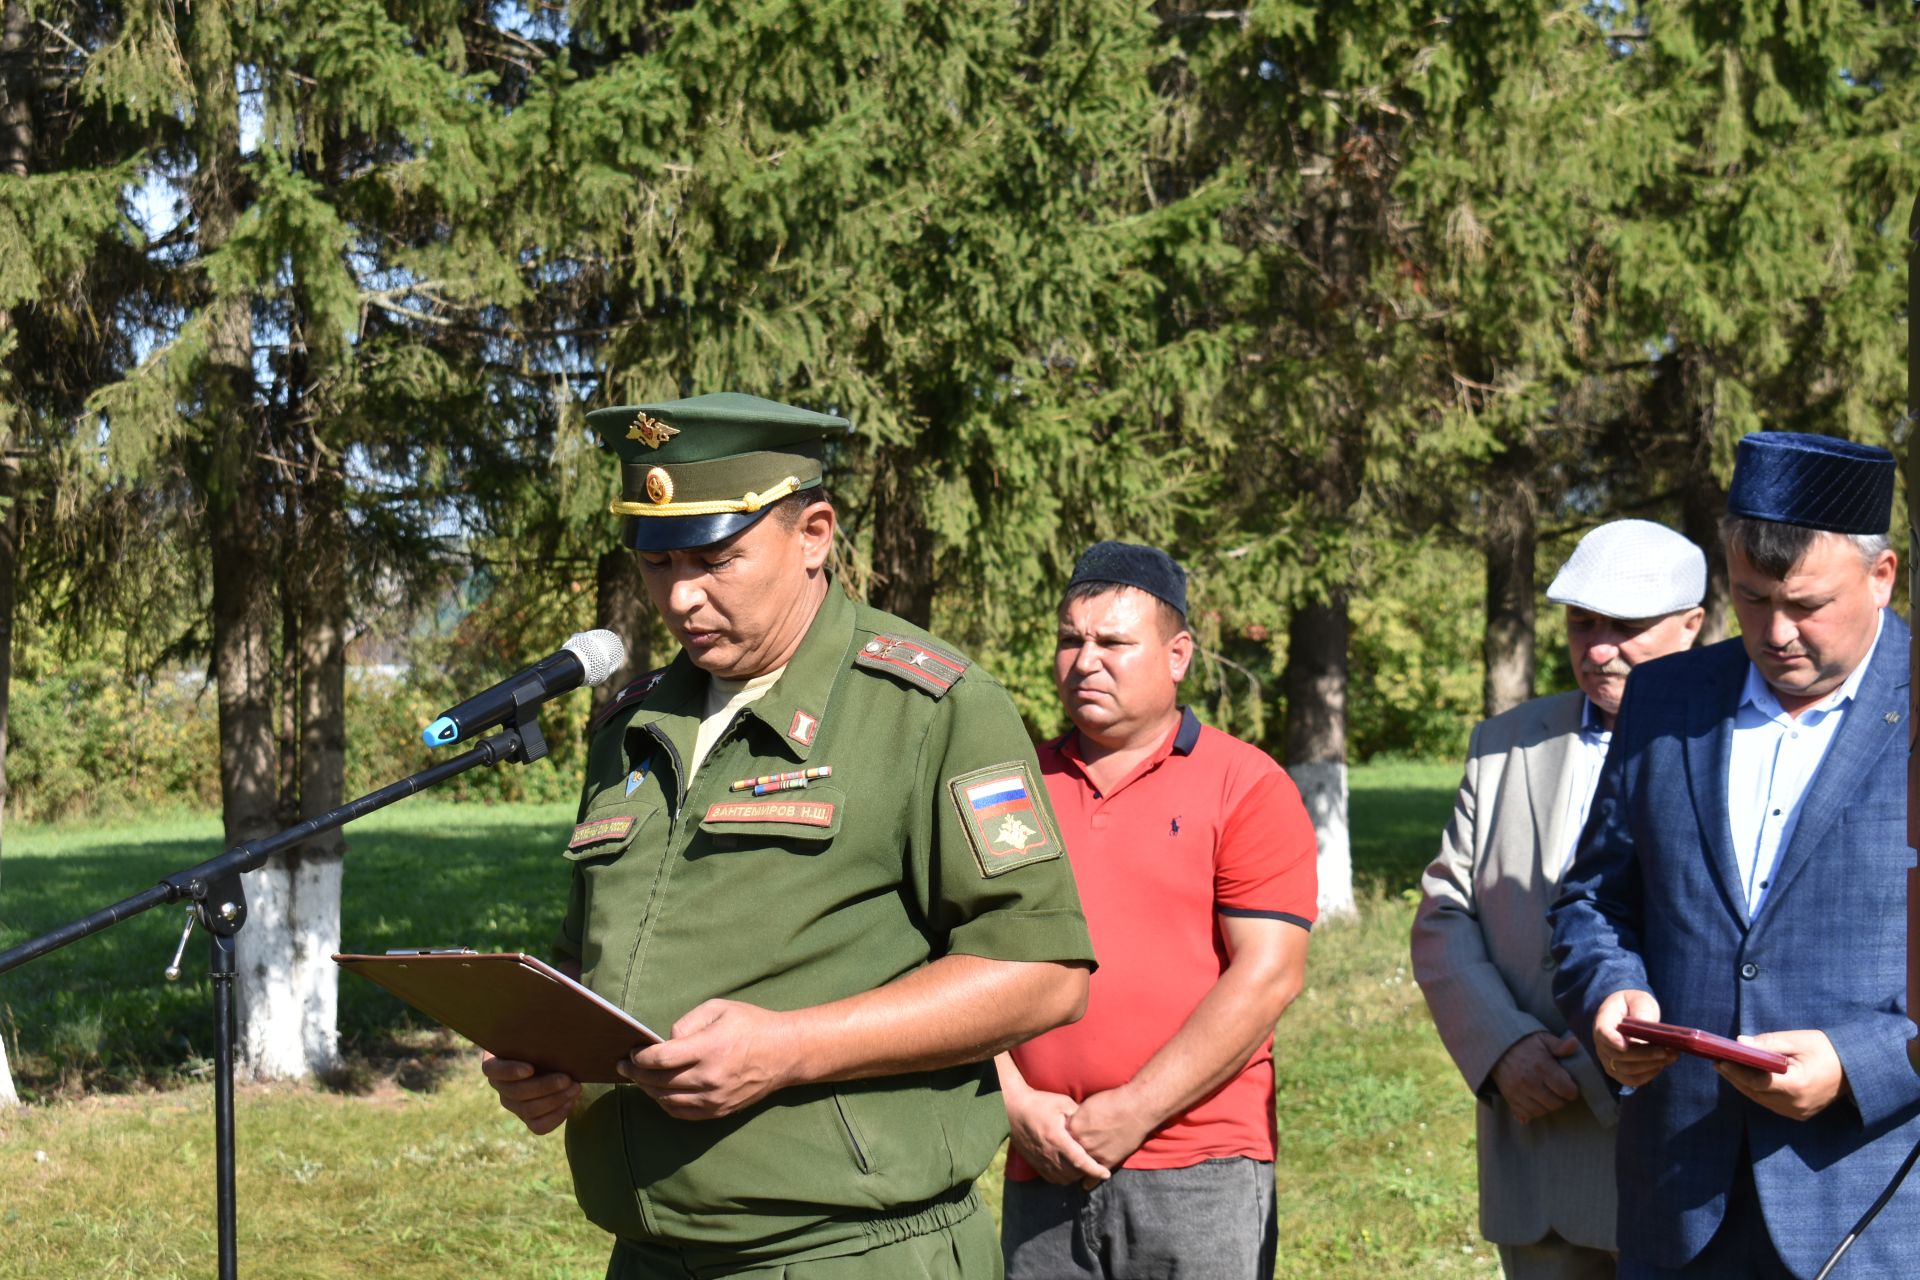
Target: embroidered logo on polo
x: 1005, y: 825
x: 600, y: 829
x: 806, y: 813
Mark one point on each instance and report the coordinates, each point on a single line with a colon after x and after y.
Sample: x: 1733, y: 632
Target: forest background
x: 1364, y: 310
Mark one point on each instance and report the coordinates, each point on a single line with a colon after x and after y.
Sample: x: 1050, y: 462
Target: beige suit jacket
x: 1481, y: 956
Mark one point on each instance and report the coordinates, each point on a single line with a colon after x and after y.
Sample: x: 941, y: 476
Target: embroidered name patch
x: 805, y: 813
x: 600, y: 829
x: 1005, y: 826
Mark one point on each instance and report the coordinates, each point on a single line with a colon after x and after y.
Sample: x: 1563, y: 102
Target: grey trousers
x: 1555, y: 1259
x: 1213, y: 1221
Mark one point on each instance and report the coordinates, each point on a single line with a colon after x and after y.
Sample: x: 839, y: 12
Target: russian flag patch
x: 1005, y: 825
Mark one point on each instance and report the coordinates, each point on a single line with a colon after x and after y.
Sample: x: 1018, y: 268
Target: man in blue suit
x: 1743, y: 871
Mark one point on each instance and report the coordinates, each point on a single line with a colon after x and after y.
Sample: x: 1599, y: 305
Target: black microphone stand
x: 220, y: 907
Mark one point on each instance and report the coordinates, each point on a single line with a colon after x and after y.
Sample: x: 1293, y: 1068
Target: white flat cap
x: 1632, y: 569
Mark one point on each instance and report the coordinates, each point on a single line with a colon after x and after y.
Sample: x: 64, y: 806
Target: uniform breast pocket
x: 602, y: 837
x: 803, y: 822
x: 610, y: 880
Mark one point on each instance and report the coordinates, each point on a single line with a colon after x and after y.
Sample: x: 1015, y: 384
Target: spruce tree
x: 339, y: 163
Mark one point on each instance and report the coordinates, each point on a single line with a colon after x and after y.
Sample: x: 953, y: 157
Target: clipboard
x: 1704, y: 1044
x: 513, y: 1006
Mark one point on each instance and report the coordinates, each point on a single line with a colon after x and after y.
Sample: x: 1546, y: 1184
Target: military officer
x: 814, y: 846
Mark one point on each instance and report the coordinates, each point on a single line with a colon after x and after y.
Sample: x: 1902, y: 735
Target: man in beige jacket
x: 1632, y: 590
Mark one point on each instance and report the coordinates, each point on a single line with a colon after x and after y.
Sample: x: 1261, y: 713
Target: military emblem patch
x: 803, y: 728
x: 603, y: 829
x: 1004, y: 822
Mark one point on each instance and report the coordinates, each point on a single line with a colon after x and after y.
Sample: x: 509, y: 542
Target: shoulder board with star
x: 921, y: 665
x: 626, y: 698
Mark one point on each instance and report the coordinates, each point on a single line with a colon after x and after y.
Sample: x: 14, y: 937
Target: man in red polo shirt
x: 1144, y: 1134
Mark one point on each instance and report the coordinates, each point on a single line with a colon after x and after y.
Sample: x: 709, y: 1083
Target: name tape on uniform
x: 806, y: 813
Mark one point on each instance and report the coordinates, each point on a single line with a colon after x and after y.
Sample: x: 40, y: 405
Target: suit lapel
x: 1864, y: 733
x: 1709, y: 746
x: 1549, y: 776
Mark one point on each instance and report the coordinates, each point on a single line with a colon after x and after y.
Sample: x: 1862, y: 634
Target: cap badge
x: 651, y: 432
x: 659, y: 485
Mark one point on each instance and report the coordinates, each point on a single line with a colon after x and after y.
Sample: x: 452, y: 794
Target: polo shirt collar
x: 1183, y: 739
x: 1187, y: 736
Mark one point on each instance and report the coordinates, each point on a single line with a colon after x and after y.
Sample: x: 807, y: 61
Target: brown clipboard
x: 513, y: 1006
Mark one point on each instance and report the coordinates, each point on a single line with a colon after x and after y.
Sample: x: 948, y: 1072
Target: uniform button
x: 1546, y: 962
x: 1749, y: 971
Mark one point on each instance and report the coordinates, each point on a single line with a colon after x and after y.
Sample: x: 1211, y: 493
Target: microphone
x: 588, y: 657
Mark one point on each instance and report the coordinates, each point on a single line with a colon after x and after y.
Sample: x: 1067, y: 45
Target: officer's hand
x: 1809, y: 1086
x: 1110, y: 1127
x: 1631, y: 1062
x: 1038, y: 1122
x: 724, y: 1056
x: 541, y: 1102
x: 1529, y: 1075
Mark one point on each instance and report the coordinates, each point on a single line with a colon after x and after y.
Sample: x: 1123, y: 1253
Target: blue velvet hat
x: 1817, y: 482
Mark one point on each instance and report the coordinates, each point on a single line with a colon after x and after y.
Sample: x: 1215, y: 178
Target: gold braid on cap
x: 718, y: 507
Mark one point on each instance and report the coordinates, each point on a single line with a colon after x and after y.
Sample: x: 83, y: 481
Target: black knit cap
x: 1128, y: 564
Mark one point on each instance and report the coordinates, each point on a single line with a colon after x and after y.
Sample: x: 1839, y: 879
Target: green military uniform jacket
x: 933, y: 836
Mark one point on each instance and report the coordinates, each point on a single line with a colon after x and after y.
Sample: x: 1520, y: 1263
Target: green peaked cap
x: 695, y: 471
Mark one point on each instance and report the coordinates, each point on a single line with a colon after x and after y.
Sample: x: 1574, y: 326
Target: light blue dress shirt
x: 1772, y: 763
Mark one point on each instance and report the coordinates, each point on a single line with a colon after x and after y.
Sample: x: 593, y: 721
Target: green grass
x: 411, y: 1170
x: 102, y: 1017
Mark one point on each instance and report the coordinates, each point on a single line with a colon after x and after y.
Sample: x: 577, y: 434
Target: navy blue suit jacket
x: 1654, y: 901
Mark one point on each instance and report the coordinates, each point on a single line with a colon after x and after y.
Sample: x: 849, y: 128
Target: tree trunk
x: 1315, y: 685
x: 1510, y: 536
x: 9, y: 558
x: 16, y: 143
x: 289, y: 1008
x: 1702, y: 506
x: 238, y: 529
x: 902, y: 543
x: 621, y: 606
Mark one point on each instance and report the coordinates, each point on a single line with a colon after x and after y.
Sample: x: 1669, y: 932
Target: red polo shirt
x: 1209, y: 826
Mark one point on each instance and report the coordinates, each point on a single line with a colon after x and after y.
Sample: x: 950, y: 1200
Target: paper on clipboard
x: 513, y: 1006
